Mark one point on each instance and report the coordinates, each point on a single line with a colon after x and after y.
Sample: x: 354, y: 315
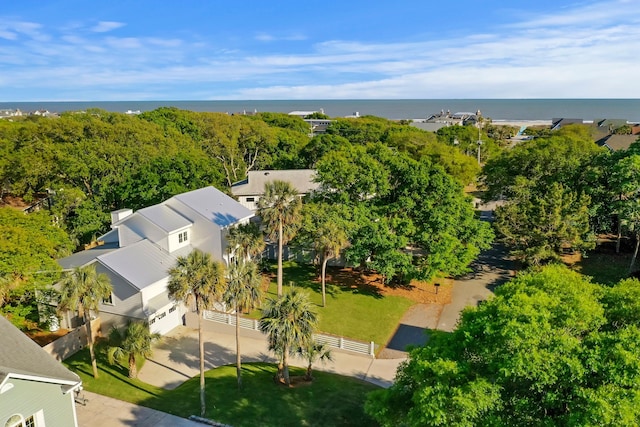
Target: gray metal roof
x: 22, y: 356
x: 164, y: 217
x: 142, y: 263
x: 85, y: 257
x: 157, y: 302
x: 301, y: 179
x: 215, y: 206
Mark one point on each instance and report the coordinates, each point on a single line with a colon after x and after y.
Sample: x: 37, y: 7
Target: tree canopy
x: 552, y: 348
x: 410, y: 218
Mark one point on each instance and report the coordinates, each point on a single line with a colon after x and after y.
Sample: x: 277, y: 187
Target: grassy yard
x: 353, y: 311
x: 329, y: 400
x: 605, y: 266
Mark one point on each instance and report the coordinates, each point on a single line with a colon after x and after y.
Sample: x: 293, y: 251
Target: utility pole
x: 479, y: 143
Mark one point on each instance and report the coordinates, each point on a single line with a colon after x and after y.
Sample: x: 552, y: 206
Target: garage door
x: 165, y: 319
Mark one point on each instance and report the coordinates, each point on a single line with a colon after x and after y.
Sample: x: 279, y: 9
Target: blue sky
x: 79, y: 50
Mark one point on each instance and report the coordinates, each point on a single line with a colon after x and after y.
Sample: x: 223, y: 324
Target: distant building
x: 557, y: 123
x: 462, y: 118
x: 250, y: 190
x: 8, y: 113
x: 617, y: 142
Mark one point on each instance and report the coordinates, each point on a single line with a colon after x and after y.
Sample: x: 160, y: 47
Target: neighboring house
x: 35, y: 389
x: 617, y: 142
x: 143, y: 245
x: 249, y: 190
x: 557, y: 123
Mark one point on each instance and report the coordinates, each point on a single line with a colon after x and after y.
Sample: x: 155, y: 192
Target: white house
x: 249, y: 190
x: 143, y: 245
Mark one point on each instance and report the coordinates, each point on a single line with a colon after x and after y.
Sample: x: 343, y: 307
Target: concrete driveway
x: 102, y: 411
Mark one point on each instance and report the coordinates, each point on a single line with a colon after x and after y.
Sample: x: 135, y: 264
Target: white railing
x: 329, y: 340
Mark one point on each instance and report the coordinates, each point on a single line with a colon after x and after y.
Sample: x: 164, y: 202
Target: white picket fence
x: 329, y: 340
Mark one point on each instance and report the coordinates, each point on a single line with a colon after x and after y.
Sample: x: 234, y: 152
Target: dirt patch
x: 13, y: 202
x: 434, y: 292
x: 295, y: 381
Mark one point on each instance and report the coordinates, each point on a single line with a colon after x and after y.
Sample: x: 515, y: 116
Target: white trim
x: 48, y: 380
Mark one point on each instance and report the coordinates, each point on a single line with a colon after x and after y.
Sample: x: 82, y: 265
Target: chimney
x: 119, y: 215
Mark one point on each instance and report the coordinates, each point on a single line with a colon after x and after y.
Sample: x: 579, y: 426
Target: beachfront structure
x: 142, y: 246
x: 251, y: 189
x: 35, y: 389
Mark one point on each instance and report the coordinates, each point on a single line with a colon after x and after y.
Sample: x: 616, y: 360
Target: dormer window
x: 183, y: 237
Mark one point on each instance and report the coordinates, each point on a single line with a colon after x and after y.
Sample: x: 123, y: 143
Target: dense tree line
x: 551, y: 348
x: 561, y: 191
x: 93, y: 162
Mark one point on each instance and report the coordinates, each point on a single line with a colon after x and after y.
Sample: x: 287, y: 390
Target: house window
x: 108, y: 300
x: 152, y: 321
x: 17, y: 421
x: 161, y: 315
x: 172, y: 309
x: 182, y: 237
x: 251, y: 199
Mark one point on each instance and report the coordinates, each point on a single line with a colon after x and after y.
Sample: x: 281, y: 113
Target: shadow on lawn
x: 356, y: 281
x: 328, y: 400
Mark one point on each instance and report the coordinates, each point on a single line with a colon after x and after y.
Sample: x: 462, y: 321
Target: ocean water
x: 496, y: 109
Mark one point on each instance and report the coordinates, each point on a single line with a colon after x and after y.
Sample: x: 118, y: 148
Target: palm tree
x: 82, y: 290
x: 312, y: 352
x: 197, y: 280
x: 246, y: 241
x: 243, y: 293
x: 279, y: 209
x: 330, y: 240
x: 134, y: 343
x: 289, y: 323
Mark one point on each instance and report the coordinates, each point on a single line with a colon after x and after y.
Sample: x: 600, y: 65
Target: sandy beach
x: 521, y: 123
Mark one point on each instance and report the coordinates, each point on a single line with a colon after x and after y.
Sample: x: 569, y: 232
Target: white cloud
x: 583, y: 51
x: 106, y: 26
x: 265, y: 37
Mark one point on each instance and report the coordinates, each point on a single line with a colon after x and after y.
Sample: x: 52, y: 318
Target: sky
x: 78, y: 50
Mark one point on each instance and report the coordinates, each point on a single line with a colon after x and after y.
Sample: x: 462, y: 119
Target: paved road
x: 492, y: 268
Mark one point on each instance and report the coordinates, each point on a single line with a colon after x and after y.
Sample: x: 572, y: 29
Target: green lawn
x: 350, y: 312
x: 331, y: 400
x: 605, y: 267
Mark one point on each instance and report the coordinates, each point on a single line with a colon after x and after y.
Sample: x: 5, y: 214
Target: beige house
x: 249, y: 190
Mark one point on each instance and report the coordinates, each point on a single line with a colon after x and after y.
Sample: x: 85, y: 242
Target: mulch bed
x: 45, y: 337
x: 371, y: 282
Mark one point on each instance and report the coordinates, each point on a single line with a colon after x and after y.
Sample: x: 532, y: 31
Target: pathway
x: 492, y: 268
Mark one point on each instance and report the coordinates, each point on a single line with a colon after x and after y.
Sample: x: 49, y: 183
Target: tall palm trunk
x: 635, y: 253
x: 201, y: 345
x: 280, y: 259
x: 285, y: 365
x: 133, y: 369
x: 238, y: 357
x: 87, y: 324
x: 325, y: 259
x: 619, y: 237
x: 280, y: 373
